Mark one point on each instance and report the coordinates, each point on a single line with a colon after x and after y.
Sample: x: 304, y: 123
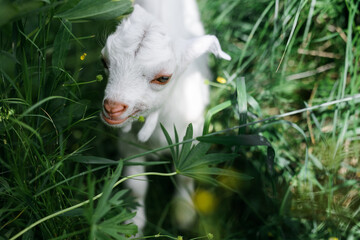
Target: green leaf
x: 61, y: 45
x: 301, y: 5
x: 107, y: 220
x: 38, y: 104
x: 149, y: 163
x: 212, y: 112
x: 203, y: 178
x: 11, y: 10
x: 116, y: 199
x: 251, y: 36
x: 211, y: 159
x: 195, y: 154
x: 168, y: 139
x: 119, y: 218
x: 117, y: 232
x: 12, y: 82
x: 186, y: 146
x: 219, y: 172
x: 238, y: 140
x: 105, y: 161
x: 24, y: 125
x: 177, y: 148
x: 114, y: 227
x: 97, y: 10
x: 103, y: 207
x: 243, y: 140
x: 93, y: 160
x: 241, y: 100
x: 195, y: 163
x: 205, y: 175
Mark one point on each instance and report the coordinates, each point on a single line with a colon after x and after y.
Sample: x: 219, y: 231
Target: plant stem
x: 218, y: 85
x: 154, y: 236
x: 78, y: 83
x: 87, y: 201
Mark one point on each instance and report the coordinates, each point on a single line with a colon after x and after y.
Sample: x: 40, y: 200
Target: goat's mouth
x: 117, y: 120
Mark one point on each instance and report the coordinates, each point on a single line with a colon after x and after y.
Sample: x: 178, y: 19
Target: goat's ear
x: 194, y: 48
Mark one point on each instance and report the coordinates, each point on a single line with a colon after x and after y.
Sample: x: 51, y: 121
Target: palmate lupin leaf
x: 174, y: 153
x: 194, y: 162
x: 186, y: 147
x: 115, y: 227
x: 104, y: 223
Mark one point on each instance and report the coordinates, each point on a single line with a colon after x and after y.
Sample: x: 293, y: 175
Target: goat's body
x: 186, y: 102
x: 157, y: 67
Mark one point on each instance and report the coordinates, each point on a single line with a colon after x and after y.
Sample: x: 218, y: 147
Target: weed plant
x: 279, y: 155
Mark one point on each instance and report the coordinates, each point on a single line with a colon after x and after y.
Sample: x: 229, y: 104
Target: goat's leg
x: 139, y: 187
x: 184, y: 208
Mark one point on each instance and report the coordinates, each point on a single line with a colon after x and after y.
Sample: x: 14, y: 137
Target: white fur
x: 167, y: 41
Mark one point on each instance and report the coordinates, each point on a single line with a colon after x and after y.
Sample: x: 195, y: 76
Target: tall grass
x: 46, y: 116
x: 296, y: 54
x: 279, y: 158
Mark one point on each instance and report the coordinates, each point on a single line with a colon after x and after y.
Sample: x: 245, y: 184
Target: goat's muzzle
x: 113, y: 111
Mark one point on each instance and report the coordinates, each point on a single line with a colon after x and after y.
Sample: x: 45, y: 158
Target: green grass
x: 279, y: 158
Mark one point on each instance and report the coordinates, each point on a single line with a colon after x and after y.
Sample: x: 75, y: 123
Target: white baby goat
x: 157, y: 67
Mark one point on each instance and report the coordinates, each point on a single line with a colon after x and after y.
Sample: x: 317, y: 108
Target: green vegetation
x: 279, y: 158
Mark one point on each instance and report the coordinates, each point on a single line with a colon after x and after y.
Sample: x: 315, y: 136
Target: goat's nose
x: 114, y: 108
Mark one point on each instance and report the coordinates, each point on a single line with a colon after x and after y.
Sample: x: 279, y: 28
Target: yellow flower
x: 204, y: 201
x: 83, y: 57
x: 221, y: 80
x: 333, y: 238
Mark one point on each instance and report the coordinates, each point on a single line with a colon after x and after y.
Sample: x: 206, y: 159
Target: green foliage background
x: 286, y: 55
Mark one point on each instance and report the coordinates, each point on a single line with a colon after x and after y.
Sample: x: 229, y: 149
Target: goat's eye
x: 162, y: 80
x: 104, y: 63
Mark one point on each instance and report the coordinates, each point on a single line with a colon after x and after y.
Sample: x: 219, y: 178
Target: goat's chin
x: 114, y: 122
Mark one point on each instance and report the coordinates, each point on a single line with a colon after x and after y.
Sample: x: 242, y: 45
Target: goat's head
x: 143, y: 62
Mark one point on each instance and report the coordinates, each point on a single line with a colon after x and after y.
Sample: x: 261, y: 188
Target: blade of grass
x: 241, y: 101
x: 211, y: 112
x: 24, y: 125
x: 296, y: 19
x: 348, y: 60
x: 61, y: 45
x: 252, y: 33
x: 67, y: 180
x: 102, y: 9
x: 309, y: 19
